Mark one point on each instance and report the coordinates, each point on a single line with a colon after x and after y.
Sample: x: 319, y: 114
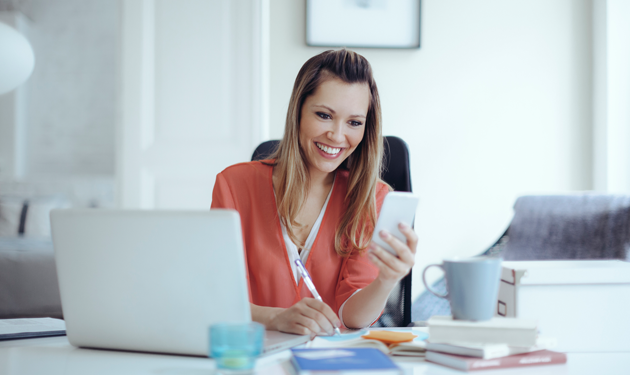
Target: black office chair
x: 397, y: 174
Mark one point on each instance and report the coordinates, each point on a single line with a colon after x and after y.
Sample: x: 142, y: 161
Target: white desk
x: 54, y: 355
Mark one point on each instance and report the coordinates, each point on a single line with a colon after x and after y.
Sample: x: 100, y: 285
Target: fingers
x: 308, y: 317
x: 312, y: 325
x: 389, y: 266
x: 404, y: 252
x: 292, y: 321
x: 393, y: 267
x: 296, y: 328
x: 412, y: 237
x: 322, y: 314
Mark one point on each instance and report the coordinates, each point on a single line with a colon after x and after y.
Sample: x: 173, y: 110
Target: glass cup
x: 235, y: 346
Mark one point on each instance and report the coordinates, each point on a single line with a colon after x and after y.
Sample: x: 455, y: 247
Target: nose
x: 335, y: 134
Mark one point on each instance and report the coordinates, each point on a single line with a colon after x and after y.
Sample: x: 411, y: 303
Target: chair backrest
x: 397, y: 174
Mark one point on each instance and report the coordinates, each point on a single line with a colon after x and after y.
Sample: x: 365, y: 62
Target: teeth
x: 328, y: 150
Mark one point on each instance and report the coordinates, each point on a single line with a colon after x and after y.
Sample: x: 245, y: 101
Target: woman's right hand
x: 307, y: 317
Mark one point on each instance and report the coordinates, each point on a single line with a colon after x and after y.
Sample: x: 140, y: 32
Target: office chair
x: 397, y: 174
x: 553, y: 227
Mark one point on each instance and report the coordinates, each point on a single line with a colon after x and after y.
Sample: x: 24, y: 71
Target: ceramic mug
x: 472, y: 286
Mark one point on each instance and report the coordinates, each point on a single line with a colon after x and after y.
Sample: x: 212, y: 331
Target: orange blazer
x: 248, y: 189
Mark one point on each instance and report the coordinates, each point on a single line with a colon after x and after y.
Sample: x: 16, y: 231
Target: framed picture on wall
x: 363, y: 23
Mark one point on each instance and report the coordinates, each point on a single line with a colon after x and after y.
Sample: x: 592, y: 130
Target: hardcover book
x: 489, y: 351
x: 464, y: 363
x: 509, y: 331
x: 348, y: 360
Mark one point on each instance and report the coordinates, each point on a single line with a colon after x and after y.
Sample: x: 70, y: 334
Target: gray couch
x: 28, y: 279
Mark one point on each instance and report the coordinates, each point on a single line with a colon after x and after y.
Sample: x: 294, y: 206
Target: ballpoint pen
x: 310, y: 285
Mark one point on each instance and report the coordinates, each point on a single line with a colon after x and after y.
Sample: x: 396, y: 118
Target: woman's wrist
x: 385, y: 284
x: 265, y: 315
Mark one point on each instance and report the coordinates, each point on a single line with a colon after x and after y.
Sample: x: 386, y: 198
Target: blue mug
x: 472, y: 286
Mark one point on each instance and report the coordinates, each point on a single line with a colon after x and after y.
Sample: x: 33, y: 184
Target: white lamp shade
x: 16, y: 58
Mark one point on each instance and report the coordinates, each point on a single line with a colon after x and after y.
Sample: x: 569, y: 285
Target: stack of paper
x: 496, y: 343
x: 35, y: 327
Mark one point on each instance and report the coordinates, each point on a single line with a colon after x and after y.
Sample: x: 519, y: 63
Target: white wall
x: 71, y: 110
x: 495, y: 104
x: 13, y: 111
x: 57, y: 129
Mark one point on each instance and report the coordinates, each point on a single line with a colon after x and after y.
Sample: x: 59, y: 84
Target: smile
x: 328, y: 150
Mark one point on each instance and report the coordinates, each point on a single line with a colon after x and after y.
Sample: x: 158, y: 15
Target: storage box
x: 584, y: 304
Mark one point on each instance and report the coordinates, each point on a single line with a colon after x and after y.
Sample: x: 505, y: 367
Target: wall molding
x: 611, y: 95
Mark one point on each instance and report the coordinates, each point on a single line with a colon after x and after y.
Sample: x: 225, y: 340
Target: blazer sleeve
x: 221, y: 194
x: 222, y: 198
x: 357, y: 271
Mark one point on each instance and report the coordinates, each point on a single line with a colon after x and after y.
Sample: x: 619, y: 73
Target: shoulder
x: 382, y: 188
x: 249, y: 171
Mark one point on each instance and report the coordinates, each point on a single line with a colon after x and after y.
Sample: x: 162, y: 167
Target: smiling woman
x: 316, y: 199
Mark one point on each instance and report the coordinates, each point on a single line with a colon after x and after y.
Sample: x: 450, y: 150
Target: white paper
x: 324, y: 354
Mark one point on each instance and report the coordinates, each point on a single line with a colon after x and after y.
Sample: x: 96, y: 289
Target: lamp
x: 16, y: 58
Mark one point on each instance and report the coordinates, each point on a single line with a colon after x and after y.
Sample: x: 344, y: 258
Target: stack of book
x: 496, y: 343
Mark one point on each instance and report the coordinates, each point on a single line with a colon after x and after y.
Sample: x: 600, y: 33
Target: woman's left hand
x: 392, y: 268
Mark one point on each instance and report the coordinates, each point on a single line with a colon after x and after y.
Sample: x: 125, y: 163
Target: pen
x: 310, y: 285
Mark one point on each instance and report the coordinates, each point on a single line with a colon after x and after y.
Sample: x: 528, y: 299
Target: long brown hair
x: 364, y: 164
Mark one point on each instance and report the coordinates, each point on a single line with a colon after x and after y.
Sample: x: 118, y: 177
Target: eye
x: 355, y: 123
x: 323, y: 115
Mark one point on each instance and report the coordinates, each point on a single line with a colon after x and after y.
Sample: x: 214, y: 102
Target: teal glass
x: 235, y: 346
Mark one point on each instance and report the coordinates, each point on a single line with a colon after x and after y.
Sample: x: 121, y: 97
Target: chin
x: 327, y: 167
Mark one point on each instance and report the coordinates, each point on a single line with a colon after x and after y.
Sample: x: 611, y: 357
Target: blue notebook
x: 361, y: 360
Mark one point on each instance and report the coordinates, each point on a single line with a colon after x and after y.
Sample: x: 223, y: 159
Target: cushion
x: 28, y: 216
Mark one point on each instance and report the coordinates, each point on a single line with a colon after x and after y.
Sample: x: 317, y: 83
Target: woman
x: 317, y: 200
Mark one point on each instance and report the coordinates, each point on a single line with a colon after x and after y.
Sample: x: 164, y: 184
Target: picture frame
x: 363, y: 23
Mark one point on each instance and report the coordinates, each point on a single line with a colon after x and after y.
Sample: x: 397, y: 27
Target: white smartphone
x: 398, y: 207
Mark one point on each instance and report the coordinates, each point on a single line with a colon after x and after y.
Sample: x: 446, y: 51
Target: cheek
x: 357, y: 138
x: 306, y: 130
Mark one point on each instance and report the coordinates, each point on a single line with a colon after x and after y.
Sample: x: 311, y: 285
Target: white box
x: 585, y: 304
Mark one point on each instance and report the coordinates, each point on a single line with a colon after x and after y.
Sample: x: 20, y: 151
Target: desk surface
x: 54, y: 355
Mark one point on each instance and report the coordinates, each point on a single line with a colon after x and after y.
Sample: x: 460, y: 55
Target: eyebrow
x: 333, y: 111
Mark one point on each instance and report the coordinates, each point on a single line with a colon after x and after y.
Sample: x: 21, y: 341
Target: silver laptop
x: 152, y: 281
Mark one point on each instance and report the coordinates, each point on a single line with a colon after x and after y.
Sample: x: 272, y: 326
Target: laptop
x: 152, y: 281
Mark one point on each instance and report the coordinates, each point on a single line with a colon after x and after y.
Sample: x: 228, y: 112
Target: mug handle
x: 424, y: 280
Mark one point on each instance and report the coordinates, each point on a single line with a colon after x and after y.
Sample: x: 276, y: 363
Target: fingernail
x: 384, y: 234
x: 403, y: 226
